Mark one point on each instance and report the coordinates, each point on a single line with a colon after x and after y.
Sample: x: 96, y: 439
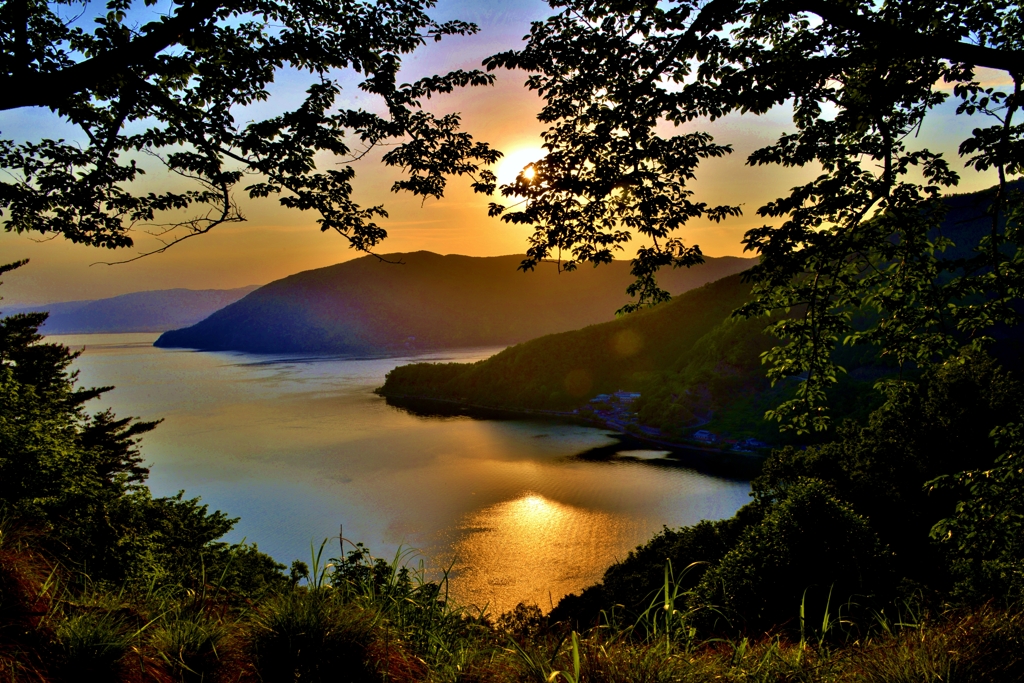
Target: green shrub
x: 416, y: 608
x: 188, y: 642
x: 90, y: 645
x: 628, y: 587
x: 311, y: 635
x: 934, y: 427
x: 811, y: 549
x: 984, y: 536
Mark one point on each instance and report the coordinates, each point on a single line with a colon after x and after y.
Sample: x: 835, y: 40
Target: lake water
x: 297, y: 447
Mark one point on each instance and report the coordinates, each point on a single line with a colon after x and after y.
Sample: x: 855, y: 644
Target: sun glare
x: 516, y: 162
x: 534, y: 549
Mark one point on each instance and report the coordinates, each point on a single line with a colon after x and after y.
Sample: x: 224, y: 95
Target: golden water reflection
x: 535, y: 550
x: 296, y: 447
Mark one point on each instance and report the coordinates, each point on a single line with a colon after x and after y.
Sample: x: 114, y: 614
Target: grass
x: 366, y: 620
x: 192, y: 643
x: 24, y: 576
x: 310, y: 634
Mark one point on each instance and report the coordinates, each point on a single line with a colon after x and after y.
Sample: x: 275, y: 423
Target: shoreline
x: 707, y: 459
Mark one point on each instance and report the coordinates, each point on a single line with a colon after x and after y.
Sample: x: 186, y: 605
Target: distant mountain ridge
x: 430, y: 301
x: 150, y: 311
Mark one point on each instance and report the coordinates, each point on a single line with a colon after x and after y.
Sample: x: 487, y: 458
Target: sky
x: 275, y: 242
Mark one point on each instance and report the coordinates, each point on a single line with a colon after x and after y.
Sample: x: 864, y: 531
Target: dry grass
x: 980, y: 645
x: 321, y: 633
x: 23, y: 604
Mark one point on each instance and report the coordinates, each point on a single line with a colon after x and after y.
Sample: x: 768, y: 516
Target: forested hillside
x: 559, y: 371
x: 429, y: 301
x: 691, y: 361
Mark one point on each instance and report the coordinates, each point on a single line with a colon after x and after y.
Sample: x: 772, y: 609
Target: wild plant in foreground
x: 91, y: 642
x: 309, y: 634
x: 188, y: 641
x: 414, y: 608
x: 668, y: 619
x: 983, y: 644
x: 330, y: 629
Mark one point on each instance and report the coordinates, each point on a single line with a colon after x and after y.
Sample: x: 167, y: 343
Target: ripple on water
x: 535, y: 550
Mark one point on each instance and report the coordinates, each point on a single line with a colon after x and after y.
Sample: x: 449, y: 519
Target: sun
x: 516, y: 162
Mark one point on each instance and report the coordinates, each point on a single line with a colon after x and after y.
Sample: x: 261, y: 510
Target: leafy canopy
x: 174, y: 84
x: 626, y: 86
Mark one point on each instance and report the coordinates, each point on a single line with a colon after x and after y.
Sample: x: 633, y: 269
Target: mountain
x: 693, y: 365
x: 669, y: 345
x: 423, y: 300
x: 152, y: 311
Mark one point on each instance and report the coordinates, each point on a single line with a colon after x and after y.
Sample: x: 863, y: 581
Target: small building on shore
x: 705, y: 436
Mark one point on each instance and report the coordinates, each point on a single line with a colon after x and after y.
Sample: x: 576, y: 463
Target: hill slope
x: 152, y: 311
x: 689, y: 352
x: 431, y: 301
x: 691, y: 362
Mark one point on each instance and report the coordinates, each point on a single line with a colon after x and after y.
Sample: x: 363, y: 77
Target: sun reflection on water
x: 534, y: 549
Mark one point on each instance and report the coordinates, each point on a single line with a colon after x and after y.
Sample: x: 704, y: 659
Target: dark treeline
x: 914, y: 505
x: 692, y: 363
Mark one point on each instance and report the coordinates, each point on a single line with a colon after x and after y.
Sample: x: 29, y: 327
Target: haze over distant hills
x: 430, y: 301
x: 151, y: 311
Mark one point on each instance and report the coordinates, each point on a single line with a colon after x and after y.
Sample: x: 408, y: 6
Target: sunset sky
x: 276, y: 242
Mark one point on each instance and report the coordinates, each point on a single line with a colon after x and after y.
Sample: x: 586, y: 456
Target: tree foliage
x: 78, y: 480
x: 916, y: 504
x: 177, y: 85
x: 986, y: 529
x: 620, y: 80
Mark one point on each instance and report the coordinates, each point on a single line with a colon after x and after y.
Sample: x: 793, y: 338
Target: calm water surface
x: 297, y: 446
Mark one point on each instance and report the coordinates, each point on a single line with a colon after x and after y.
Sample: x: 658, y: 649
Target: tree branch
x: 710, y: 18
x: 33, y: 89
x: 897, y: 39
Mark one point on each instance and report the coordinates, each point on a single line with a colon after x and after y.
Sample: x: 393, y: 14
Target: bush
x: 628, y: 586
x: 937, y: 426
x: 810, y: 549
x: 310, y: 635
x: 90, y: 645
x: 984, y: 537
x: 189, y: 642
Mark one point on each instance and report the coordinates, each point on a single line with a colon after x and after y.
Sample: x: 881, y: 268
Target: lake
x: 298, y: 447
